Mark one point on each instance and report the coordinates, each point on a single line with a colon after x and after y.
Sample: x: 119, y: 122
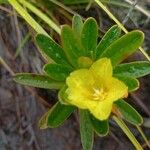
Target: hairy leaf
x: 134, y: 69
x: 111, y: 35
x: 124, y: 46
x: 128, y: 112
x: 36, y: 80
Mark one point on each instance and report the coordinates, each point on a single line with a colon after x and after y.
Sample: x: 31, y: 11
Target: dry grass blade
x: 142, y: 10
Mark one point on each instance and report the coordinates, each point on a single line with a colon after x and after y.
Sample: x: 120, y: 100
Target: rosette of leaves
x: 80, y: 48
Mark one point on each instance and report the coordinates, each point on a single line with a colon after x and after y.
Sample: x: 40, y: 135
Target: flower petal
x: 117, y: 90
x: 80, y: 79
x: 79, y: 89
x: 102, y: 70
x: 102, y: 110
x: 82, y: 102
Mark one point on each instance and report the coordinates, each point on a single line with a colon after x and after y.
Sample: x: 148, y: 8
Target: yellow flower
x: 95, y: 88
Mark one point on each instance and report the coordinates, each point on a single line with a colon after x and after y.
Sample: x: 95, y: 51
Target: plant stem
x: 143, y: 135
x: 21, y: 45
x: 6, y: 66
x: 27, y: 17
x: 119, y: 24
x: 41, y: 15
x: 128, y: 133
x: 63, y: 6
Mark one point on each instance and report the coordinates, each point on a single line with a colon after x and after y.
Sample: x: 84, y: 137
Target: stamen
x: 98, y: 94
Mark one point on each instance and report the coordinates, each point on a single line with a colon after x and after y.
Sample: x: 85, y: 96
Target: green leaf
x: 128, y: 112
x: 110, y: 36
x: 135, y: 69
x: 100, y: 127
x: 71, y: 45
x: 56, y: 116
x: 77, y: 24
x: 51, y: 49
x: 124, y: 46
x: 43, y: 120
x: 35, y: 80
x: 62, y: 95
x: 59, y: 114
x: 3, y: 2
x: 86, y: 130
x: 131, y: 83
x: 57, y: 71
x: 89, y: 36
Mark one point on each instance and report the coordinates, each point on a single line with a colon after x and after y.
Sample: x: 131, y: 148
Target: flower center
x: 99, y: 94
